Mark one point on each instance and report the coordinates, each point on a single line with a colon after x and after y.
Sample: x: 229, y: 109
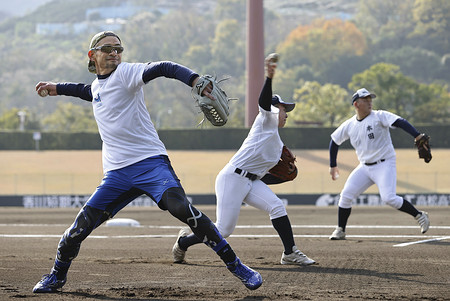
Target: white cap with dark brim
x: 276, y: 99
x: 361, y: 93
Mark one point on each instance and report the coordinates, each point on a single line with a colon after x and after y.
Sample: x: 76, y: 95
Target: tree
x: 151, y: 37
x: 231, y: 9
x: 12, y: 120
x: 420, y: 64
x: 196, y: 56
x: 385, y: 23
x: 69, y: 117
x: 394, y: 90
x: 287, y: 80
x: 432, y: 23
x: 411, y: 34
x: 327, y: 51
x: 326, y: 105
x: 434, y: 107
x: 227, y: 48
x: 419, y: 103
x: 320, y: 44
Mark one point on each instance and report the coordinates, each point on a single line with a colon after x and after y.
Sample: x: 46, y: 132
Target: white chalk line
x: 421, y: 241
x: 429, y: 238
x: 233, y: 235
x: 251, y: 226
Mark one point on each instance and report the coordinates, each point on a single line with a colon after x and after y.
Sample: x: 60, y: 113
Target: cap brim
x: 356, y: 96
x: 289, y: 106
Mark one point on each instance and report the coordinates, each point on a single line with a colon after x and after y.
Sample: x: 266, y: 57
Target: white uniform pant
x: 383, y: 174
x: 233, y: 189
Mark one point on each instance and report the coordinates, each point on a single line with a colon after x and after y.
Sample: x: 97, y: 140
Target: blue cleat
x: 49, y: 284
x: 250, y: 278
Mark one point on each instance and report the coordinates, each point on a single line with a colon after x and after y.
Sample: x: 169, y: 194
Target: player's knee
x: 277, y: 211
x: 87, y: 220
x: 345, y: 202
x: 226, y: 233
x: 174, y: 200
x: 392, y: 200
x: 225, y: 230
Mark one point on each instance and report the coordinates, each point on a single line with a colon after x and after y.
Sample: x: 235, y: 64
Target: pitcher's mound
x: 122, y: 222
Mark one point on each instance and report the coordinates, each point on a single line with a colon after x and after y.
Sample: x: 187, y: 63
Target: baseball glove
x: 423, y: 147
x: 216, y: 111
x: 285, y: 168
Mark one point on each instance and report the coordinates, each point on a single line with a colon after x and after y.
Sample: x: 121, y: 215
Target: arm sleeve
x: 265, y: 98
x: 76, y: 90
x: 170, y: 70
x: 333, y: 153
x: 269, y: 179
x: 406, y: 126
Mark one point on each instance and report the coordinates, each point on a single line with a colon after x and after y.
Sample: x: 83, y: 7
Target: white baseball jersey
x: 259, y: 152
x: 372, y: 141
x: 370, y: 137
x: 262, y: 148
x: 123, y: 120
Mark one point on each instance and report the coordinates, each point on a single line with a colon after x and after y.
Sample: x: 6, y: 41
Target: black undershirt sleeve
x: 333, y: 148
x: 265, y: 98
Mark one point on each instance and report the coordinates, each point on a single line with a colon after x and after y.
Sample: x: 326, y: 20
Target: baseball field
x: 385, y: 257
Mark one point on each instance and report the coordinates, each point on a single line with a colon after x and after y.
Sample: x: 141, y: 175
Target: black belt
x: 246, y: 174
x: 373, y: 163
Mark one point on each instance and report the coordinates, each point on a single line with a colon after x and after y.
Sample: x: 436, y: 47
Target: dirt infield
x: 134, y: 263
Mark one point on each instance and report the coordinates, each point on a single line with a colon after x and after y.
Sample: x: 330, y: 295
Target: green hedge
x: 209, y: 139
x: 49, y: 141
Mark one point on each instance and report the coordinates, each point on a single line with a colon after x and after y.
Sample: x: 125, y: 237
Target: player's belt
x: 246, y: 174
x: 373, y: 163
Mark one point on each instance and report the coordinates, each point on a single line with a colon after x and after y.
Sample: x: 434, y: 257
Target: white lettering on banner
x: 65, y: 201
x: 409, y: 197
x: 429, y: 199
x: 360, y: 200
x: 54, y: 201
x: 326, y: 200
x: 76, y: 201
x: 444, y: 200
x: 375, y: 200
x: 70, y: 201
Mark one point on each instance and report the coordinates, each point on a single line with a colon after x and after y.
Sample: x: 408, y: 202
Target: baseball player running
x: 368, y: 131
x: 245, y: 178
x: 135, y: 161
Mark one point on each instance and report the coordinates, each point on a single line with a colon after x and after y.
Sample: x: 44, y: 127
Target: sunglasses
x: 109, y: 49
